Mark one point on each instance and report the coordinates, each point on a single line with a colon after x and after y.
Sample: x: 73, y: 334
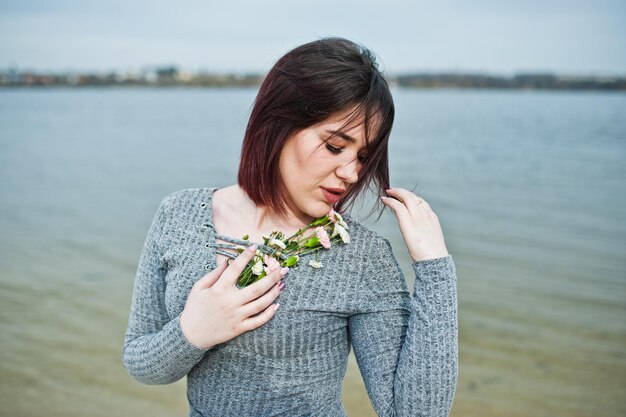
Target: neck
x: 264, y: 219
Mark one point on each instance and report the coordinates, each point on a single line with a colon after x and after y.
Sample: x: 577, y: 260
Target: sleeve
x: 407, y: 346
x: 155, y: 349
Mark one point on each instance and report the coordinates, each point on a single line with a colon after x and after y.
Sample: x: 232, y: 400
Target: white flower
x: 340, y: 221
x: 257, y: 268
x: 339, y: 230
x: 315, y: 264
x: 277, y: 242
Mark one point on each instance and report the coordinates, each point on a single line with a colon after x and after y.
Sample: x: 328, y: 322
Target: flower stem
x: 298, y: 233
x: 332, y: 240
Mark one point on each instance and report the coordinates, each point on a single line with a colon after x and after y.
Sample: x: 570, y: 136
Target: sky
x: 479, y: 36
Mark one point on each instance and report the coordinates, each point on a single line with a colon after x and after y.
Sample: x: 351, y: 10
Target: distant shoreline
x: 172, y: 77
x: 113, y: 88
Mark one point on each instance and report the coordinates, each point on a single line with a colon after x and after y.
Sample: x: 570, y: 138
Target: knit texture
x: 406, y: 346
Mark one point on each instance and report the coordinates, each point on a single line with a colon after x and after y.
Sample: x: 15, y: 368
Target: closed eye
x: 336, y: 151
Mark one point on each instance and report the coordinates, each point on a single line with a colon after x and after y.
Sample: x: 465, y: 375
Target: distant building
x: 167, y: 74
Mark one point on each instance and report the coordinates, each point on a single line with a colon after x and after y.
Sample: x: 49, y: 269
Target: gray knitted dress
x: 294, y: 365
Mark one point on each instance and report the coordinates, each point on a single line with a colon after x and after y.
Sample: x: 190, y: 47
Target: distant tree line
x: 519, y: 81
x: 170, y: 76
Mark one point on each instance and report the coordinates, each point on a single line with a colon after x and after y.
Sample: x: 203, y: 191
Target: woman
x: 317, y: 136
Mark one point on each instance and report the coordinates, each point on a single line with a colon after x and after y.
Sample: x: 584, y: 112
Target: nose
x: 348, y: 172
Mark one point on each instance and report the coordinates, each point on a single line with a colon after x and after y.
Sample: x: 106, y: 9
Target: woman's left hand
x: 418, y: 223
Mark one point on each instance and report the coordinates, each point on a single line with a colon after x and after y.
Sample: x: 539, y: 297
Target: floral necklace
x: 287, y: 252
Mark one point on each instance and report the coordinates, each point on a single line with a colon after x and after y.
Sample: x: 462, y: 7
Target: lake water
x: 528, y: 186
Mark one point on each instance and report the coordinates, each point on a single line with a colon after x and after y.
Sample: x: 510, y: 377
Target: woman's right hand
x: 217, y: 311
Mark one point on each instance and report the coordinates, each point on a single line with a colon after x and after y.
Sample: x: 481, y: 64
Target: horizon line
x: 387, y: 72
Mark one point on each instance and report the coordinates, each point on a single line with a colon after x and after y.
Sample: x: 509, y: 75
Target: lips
x: 330, y: 197
x: 335, y: 190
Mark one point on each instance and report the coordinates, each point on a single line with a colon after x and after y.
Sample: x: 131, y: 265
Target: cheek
x: 310, y: 159
x: 295, y: 165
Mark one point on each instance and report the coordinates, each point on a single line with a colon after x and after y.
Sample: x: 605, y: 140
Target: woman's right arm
x: 155, y: 349
x: 160, y: 350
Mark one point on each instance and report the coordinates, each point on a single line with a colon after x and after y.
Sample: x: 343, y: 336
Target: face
x: 308, y: 165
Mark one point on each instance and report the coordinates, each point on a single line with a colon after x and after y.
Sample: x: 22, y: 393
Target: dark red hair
x: 306, y: 86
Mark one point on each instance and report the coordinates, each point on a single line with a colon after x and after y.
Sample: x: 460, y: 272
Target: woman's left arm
x: 407, y: 346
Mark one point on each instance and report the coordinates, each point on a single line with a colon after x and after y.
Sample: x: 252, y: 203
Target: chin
x: 319, y: 210
x: 325, y: 209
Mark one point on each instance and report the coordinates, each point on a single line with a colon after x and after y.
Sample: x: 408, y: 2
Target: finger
x: 422, y: 202
x: 399, y: 209
x: 405, y: 196
x: 209, y: 279
x: 256, y: 321
x: 257, y: 289
x: 233, y: 271
x: 261, y: 303
x: 409, y: 199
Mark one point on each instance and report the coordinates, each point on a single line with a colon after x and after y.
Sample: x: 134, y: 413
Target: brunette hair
x: 306, y: 86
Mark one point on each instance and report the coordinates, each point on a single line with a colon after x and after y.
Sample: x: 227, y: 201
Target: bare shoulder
x: 225, y: 200
x: 229, y: 218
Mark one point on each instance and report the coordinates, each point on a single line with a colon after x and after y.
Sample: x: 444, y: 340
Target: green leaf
x: 291, y: 261
x: 312, y: 242
x: 242, y: 278
x: 319, y: 221
x: 292, y: 246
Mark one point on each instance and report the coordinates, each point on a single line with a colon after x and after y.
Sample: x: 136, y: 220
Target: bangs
x: 376, y: 113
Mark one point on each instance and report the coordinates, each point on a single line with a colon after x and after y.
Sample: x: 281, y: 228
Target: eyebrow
x: 342, y: 135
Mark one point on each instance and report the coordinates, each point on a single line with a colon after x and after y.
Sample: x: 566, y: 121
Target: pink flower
x: 272, y: 264
x: 323, y: 236
x: 336, y: 218
x: 331, y: 215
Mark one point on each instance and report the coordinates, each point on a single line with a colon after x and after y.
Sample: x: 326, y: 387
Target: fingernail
x: 252, y: 248
x: 281, y: 285
x: 284, y: 270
